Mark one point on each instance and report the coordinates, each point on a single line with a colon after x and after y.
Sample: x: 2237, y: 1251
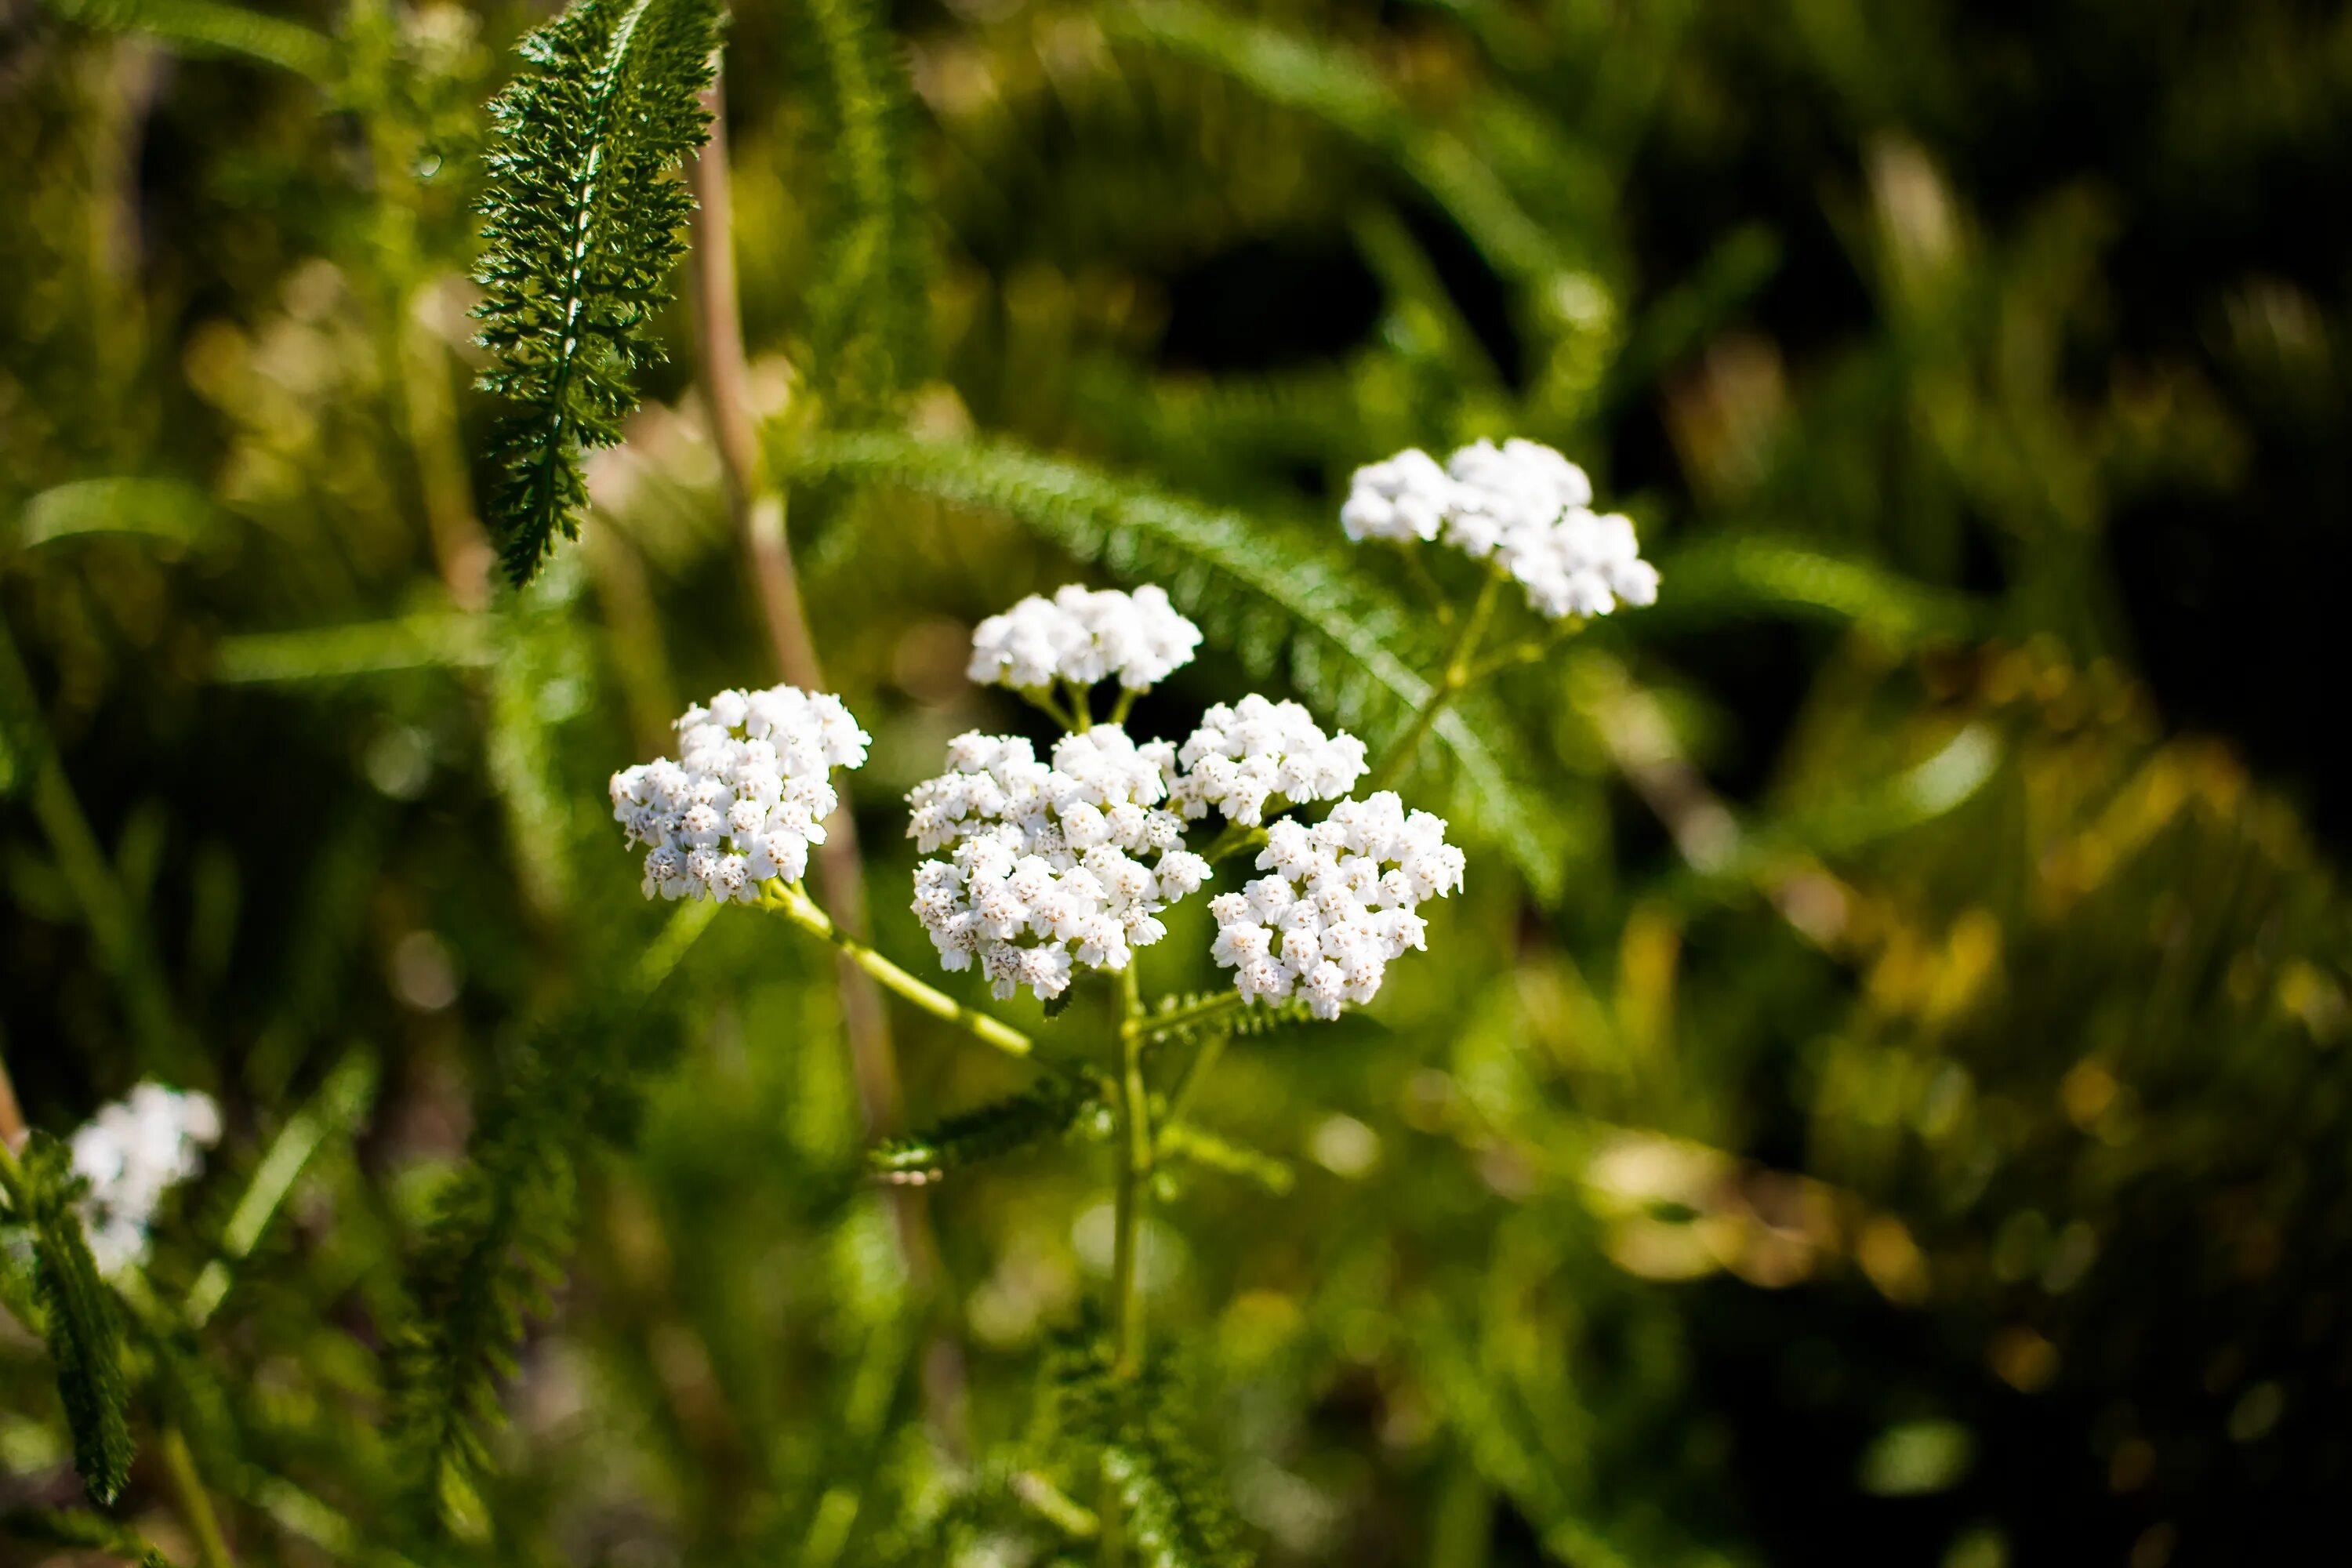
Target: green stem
x: 1134, y: 1171
x: 1125, y: 705
x: 796, y: 906
x: 1233, y: 841
x: 1043, y: 698
x: 1195, y: 1073
x: 196, y: 1505
x: 1450, y: 684
x: 1082, y: 716
x: 1049, y: 1502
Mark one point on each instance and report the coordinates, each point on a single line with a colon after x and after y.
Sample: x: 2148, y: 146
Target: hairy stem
x: 196, y: 1505
x: 796, y: 906
x: 1451, y: 682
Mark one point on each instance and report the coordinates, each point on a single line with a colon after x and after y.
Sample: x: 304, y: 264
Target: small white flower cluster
x: 749, y: 792
x: 132, y: 1154
x: 1244, y: 755
x: 1046, y: 866
x: 1083, y: 637
x: 1338, y: 906
x: 1522, y: 504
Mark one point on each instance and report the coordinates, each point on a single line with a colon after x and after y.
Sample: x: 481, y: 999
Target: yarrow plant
x: 1522, y: 506
x: 1043, y: 863
x: 132, y: 1154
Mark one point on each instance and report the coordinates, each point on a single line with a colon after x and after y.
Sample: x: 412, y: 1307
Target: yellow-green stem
x: 1449, y: 684
x: 796, y: 906
x: 1134, y: 1171
x: 196, y: 1507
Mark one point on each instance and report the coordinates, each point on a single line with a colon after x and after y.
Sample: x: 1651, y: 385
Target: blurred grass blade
x: 79, y: 1530
x: 336, y: 1110
x: 428, y: 641
x: 1725, y: 578
x: 170, y: 511
x: 208, y: 27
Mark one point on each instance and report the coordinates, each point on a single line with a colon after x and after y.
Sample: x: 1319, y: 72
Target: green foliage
x: 583, y: 216
x: 1139, y: 1431
x: 868, y: 307
x: 1052, y: 1109
x: 73, y: 1528
x: 208, y: 27
x: 83, y: 1331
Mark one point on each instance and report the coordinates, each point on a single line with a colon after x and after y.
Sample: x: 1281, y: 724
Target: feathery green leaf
x: 869, y: 331
x: 584, y: 228
x: 85, y: 1338
x: 1052, y: 1109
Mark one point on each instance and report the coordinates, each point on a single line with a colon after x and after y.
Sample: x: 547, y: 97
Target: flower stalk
x: 793, y: 903
x: 1451, y: 682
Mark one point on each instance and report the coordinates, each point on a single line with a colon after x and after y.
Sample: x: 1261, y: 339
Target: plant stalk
x: 1451, y: 682
x: 795, y: 905
x: 12, y: 1117
x: 1134, y: 1171
x: 196, y: 1505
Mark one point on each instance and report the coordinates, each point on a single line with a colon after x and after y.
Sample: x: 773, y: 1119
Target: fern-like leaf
x: 869, y: 330
x: 584, y: 218
x: 84, y: 1336
x: 1137, y: 1432
x: 1270, y: 597
x: 1052, y: 1109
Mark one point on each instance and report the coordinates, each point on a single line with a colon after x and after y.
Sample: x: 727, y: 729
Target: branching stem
x: 1451, y: 682
x: 796, y: 906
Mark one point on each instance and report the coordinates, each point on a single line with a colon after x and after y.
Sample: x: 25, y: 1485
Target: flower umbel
x: 1338, y: 906
x: 1083, y: 635
x: 747, y: 794
x: 1258, y: 751
x: 1046, y: 865
x: 1521, y: 505
x: 133, y: 1152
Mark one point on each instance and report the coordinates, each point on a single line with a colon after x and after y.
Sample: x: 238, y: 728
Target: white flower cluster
x: 1046, y: 868
x: 1244, y: 755
x: 132, y: 1154
x: 1521, y: 503
x: 1338, y: 906
x: 1082, y: 637
x: 749, y: 792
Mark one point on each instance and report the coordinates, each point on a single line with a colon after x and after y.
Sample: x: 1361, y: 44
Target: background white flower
x: 1046, y: 866
x: 131, y: 1153
x: 1083, y: 635
x: 747, y: 794
x: 1256, y: 751
x: 1339, y: 904
x: 1523, y: 506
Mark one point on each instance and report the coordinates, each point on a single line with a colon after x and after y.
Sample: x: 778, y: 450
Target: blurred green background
x: 1884, y: 1095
